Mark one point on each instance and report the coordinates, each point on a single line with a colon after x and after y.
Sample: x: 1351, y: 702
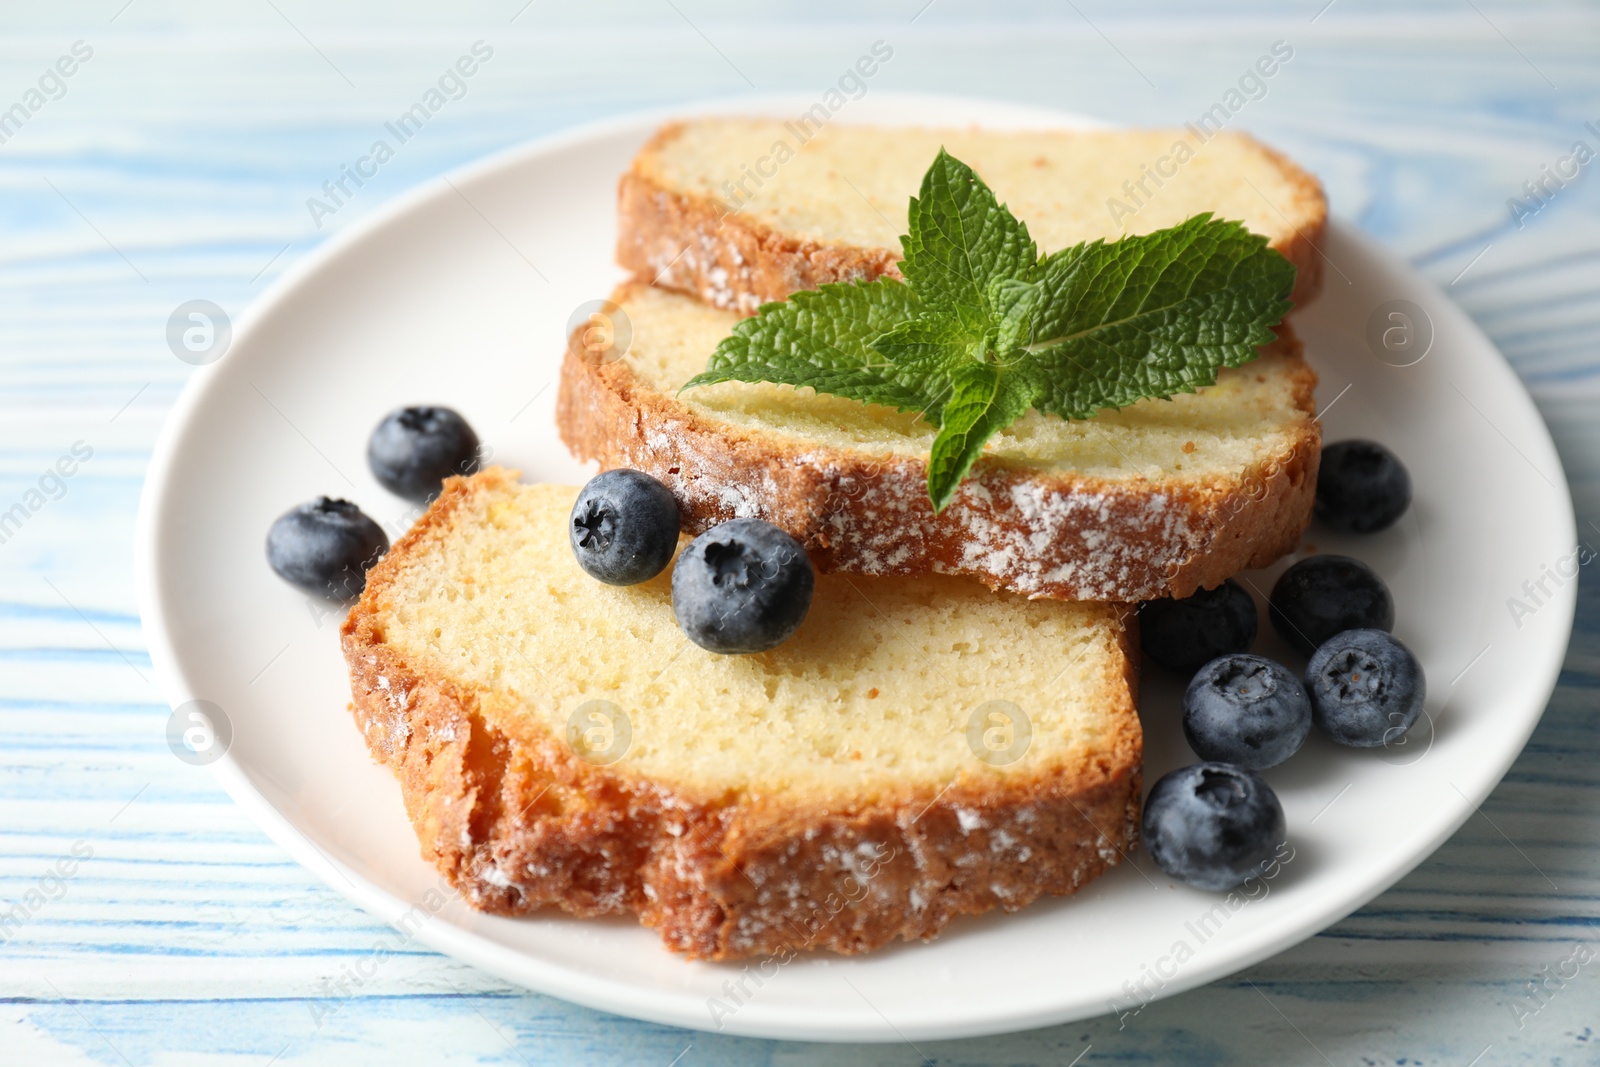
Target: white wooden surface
x: 176, y: 165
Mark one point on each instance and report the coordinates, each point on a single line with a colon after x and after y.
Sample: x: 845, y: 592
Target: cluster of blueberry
x: 1216, y: 823
x: 326, y: 547
x: 745, y: 586
x: 742, y: 586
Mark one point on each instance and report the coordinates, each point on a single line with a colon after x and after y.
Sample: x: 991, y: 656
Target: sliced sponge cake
x: 739, y: 211
x: 917, y: 751
x: 1157, y: 499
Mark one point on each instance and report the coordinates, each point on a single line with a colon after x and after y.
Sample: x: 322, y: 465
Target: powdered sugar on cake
x: 1039, y: 531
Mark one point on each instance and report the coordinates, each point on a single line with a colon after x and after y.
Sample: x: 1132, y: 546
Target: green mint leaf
x: 930, y: 347
x: 821, y: 338
x: 984, y: 400
x: 982, y: 329
x: 1151, y: 316
x: 961, y: 240
x: 1016, y: 305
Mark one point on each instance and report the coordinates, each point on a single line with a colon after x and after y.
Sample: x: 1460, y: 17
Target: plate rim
x: 683, y: 1008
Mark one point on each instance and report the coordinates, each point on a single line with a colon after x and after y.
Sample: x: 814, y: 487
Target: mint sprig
x: 983, y: 328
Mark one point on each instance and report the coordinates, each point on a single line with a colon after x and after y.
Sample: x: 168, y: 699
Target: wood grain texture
x: 177, y: 166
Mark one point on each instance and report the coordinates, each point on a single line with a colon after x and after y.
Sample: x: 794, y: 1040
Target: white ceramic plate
x: 460, y: 292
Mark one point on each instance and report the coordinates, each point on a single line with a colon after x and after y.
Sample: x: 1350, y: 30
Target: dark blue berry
x: 1246, y: 710
x: 325, y: 547
x: 1366, y: 688
x: 1212, y: 825
x: 624, y: 527
x: 1324, y: 595
x: 413, y: 450
x: 743, y: 586
x: 1361, y: 487
x: 1183, y: 635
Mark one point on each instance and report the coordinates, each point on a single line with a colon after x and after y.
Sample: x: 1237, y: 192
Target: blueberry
x: 1366, y: 688
x: 1183, y: 635
x: 1246, y: 710
x: 624, y: 527
x: 1323, y: 595
x: 743, y: 586
x: 1212, y: 825
x: 1361, y: 487
x: 413, y: 450
x: 325, y: 547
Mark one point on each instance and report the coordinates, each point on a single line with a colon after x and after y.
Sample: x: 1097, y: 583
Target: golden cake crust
x: 1042, y: 533
x: 695, y: 244
x: 518, y: 822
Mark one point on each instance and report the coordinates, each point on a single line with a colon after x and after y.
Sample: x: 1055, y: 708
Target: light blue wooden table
x: 158, y: 926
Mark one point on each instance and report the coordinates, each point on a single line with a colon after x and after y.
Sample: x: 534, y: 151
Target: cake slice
x: 1156, y: 499
x: 739, y: 211
x: 918, y: 750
